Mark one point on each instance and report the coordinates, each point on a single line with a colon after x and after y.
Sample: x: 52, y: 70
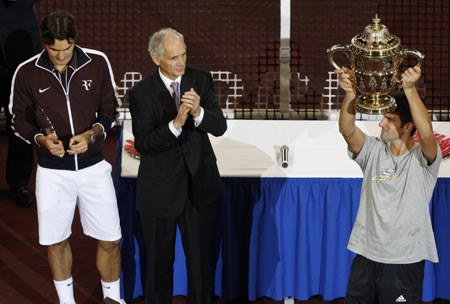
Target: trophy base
x: 375, y: 104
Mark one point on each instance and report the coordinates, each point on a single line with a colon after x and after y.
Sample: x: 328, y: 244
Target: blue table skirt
x: 279, y: 237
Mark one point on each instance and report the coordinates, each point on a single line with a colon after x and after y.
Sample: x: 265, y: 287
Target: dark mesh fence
x: 240, y: 41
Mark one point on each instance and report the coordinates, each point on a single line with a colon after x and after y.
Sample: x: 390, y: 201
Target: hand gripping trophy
x: 375, y: 57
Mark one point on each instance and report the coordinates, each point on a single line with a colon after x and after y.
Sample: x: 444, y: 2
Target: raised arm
x: 347, y: 127
x: 419, y: 113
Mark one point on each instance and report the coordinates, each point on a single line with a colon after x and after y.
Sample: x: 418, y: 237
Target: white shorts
x: 58, y: 192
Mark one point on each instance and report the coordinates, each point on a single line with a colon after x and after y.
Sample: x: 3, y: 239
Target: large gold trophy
x: 375, y: 57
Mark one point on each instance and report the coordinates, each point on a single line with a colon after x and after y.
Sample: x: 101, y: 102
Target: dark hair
x: 403, y: 110
x: 59, y: 26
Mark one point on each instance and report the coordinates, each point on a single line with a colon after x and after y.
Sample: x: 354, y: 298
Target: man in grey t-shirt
x: 392, y: 234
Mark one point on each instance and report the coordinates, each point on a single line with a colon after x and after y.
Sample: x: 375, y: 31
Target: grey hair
x: 155, y: 44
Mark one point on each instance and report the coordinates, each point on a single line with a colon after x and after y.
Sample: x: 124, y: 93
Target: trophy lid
x: 376, y: 37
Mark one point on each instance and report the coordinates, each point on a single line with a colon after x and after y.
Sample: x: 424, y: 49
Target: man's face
x: 391, y: 128
x: 60, y: 53
x: 173, y: 63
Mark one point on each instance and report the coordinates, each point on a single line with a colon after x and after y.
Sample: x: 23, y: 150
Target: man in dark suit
x: 178, y: 181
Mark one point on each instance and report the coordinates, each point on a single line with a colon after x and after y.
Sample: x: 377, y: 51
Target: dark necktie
x: 176, y: 93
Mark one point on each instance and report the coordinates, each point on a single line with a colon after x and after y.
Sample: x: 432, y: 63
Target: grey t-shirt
x: 393, y: 223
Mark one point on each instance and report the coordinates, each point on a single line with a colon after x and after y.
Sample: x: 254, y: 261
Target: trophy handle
x: 415, y: 53
x: 334, y: 49
x: 410, y: 52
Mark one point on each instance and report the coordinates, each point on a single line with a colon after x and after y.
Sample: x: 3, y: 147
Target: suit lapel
x: 164, y: 98
x: 188, y: 82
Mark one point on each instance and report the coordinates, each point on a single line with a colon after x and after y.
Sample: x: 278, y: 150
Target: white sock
x: 64, y: 289
x: 111, y: 290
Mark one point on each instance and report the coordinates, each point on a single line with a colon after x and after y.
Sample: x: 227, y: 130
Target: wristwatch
x: 91, y: 136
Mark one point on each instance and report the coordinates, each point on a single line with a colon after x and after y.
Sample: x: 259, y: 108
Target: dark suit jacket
x: 173, y: 168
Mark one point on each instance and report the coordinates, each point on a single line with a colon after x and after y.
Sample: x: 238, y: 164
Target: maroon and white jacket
x: 89, y: 98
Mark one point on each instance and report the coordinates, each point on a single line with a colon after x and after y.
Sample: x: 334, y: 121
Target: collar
x: 167, y: 81
x: 78, y: 60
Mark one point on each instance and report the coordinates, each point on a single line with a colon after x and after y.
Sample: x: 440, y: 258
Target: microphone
x: 284, y: 151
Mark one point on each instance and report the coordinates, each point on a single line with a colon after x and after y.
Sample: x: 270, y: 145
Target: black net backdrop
x: 239, y: 42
